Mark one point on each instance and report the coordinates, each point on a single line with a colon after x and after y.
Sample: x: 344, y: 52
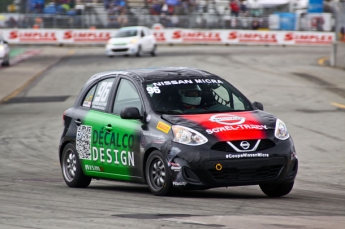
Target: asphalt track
x: 289, y: 82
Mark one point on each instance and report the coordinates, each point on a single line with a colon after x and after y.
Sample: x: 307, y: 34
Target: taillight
x: 63, y: 118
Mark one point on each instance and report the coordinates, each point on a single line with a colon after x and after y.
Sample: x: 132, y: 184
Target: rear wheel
x: 277, y: 190
x: 157, y: 174
x: 71, y: 168
x: 153, y: 52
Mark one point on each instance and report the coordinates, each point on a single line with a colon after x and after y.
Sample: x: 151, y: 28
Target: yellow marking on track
x: 338, y: 105
x: 322, y: 60
x: 17, y: 91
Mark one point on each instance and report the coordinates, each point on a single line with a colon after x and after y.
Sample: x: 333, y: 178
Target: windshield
x: 127, y: 33
x: 195, y: 96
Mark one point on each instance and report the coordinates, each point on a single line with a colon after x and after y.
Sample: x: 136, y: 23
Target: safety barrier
x: 170, y: 36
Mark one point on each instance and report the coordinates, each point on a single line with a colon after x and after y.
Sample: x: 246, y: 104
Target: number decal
x: 152, y: 90
x: 102, y: 93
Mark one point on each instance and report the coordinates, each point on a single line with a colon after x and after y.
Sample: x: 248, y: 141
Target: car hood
x: 229, y: 125
x: 121, y: 40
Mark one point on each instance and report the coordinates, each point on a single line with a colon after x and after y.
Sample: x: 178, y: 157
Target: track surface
x: 288, y: 81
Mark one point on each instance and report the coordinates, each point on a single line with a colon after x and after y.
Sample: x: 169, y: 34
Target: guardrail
x: 193, y: 21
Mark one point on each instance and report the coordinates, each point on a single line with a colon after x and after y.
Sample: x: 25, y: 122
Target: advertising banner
x: 170, y: 36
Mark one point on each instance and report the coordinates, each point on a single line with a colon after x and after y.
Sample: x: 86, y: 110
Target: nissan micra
x: 174, y: 128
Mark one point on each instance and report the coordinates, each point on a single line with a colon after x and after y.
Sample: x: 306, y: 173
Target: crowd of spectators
x: 117, y: 12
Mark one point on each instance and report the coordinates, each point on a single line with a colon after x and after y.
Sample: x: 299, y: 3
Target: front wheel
x: 157, y: 174
x: 71, y: 168
x: 276, y: 190
x: 7, y: 61
x: 139, y: 52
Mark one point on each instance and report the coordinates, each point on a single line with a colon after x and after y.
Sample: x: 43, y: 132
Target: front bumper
x: 114, y: 50
x: 209, y: 169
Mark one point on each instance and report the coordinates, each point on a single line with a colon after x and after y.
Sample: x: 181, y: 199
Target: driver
x: 190, y: 97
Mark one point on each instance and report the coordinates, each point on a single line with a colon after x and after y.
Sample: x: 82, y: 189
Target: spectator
x: 112, y: 16
x: 243, y: 7
x: 11, y: 23
x: 122, y: 19
x: 174, y: 20
x: 156, y: 8
x: 235, y: 9
x: 255, y: 24
x: 342, y: 34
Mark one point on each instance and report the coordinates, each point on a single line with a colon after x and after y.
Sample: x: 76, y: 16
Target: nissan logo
x: 245, y: 145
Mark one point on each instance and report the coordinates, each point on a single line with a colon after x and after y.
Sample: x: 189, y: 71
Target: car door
x: 89, y: 118
x: 123, y: 155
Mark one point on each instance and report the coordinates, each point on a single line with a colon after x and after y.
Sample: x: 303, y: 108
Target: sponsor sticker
x: 246, y: 155
x: 179, y: 183
x: 163, y: 127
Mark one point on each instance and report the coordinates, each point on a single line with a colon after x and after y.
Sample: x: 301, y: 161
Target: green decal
x: 111, y: 150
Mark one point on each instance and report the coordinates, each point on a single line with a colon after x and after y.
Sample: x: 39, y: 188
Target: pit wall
x: 170, y: 36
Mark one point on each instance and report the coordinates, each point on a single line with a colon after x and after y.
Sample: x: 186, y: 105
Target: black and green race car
x: 174, y: 128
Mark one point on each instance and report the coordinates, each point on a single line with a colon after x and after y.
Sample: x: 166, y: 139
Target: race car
x: 134, y: 40
x: 4, y: 52
x: 174, y: 128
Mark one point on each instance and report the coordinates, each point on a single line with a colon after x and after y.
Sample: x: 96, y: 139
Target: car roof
x: 155, y: 74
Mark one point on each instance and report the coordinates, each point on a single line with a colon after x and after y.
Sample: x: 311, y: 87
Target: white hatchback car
x: 4, y: 52
x: 135, y: 40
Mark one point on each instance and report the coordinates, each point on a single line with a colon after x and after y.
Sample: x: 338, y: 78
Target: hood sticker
x: 163, y: 127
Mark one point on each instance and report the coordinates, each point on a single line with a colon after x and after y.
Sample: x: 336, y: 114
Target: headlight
x: 133, y: 41
x: 281, y: 131
x: 187, y: 136
x: 2, y: 47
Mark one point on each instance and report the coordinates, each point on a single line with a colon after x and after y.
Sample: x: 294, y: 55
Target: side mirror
x: 130, y: 113
x: 258, y: 105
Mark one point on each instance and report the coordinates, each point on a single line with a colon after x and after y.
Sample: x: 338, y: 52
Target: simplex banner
x: 170, y: 36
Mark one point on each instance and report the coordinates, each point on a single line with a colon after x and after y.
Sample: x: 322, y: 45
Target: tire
x: 276, y: 190
x: 71, y: 168
x: 153, y: 52
x: 6, y: 62
x: 157, y: 174
x: 139, y: 52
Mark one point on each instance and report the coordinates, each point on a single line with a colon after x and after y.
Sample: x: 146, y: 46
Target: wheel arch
x: 63, y: 145
x: 146, y: 156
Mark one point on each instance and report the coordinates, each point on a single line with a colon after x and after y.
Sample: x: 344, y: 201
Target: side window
x: 142, y: 33
x: 89, y: 96
x: 126, y: 96
x: 101, y: 95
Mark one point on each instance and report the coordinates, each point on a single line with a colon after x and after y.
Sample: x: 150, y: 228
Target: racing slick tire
x: 157, y: 174
x: 153, y: 52
x: 71, y: 168
x: 276, y: 190
x: 139, y: 52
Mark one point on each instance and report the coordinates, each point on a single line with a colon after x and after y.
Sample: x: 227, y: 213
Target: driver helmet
x: 191, y: 96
